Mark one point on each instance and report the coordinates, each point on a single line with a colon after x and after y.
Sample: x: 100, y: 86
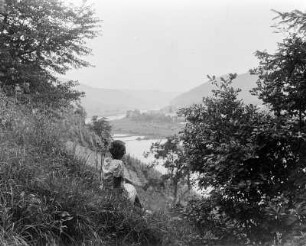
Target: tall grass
x: 48, y: 197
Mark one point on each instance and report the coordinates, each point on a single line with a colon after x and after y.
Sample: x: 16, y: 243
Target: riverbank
x: 137, y: 146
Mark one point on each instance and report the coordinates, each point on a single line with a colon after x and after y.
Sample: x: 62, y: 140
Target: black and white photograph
x: 152, y: 122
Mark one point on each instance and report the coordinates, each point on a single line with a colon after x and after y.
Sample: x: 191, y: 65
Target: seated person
x: 113, y: 173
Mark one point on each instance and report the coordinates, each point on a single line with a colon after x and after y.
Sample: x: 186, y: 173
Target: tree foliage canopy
x: 103, y: 129
x: 41, y: 39
x: 174, y: 157
x: 218, y: 134
x: 255, y: 161
x: 246, y: 155
x: 281, y: 83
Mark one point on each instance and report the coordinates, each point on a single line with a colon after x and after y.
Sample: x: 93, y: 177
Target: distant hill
x: 99, y: 101
x: 244, y: 81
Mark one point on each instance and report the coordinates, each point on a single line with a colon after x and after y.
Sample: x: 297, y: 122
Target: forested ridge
x: 250, y: 161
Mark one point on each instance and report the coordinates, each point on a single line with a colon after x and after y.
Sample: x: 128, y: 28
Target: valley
x: 151, y: 130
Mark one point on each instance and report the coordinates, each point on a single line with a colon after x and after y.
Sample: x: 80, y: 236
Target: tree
x: 282, y: 86
x: 40, y: 39
x: 218, y: 132
x: 282, y: 76
x: 239, y: 152
x: 103, y: 129
x: 172, y: 153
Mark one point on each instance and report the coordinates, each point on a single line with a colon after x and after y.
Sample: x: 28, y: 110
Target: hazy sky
x: 171, y: 45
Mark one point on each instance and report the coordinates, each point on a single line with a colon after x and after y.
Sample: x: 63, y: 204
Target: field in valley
x: 148, y: 129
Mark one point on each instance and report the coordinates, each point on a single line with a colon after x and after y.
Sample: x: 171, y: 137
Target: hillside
x: 155, y: 194
x: 99, y: 101
x: 51, y: 195
x: 243, y: 81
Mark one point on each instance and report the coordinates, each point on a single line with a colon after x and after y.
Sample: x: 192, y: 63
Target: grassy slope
x: 155, y: 197
x: 49, y: 197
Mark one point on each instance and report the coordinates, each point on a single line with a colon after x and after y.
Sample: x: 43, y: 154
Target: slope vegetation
x: 49, y: 197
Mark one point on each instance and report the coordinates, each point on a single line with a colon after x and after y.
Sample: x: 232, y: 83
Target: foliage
x: 248, y: 158
x: 281, y: 85
x: 152, y: 116
x: 173, y: 156
x: 254, y: 161
x: 219, y: 132
x: 48, y: 197
x: 101, y: 128
x: 209, y: 218
x: 282, y: 74
x: 39, y: 39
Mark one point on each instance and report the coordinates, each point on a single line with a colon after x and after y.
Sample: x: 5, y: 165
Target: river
x: 136, y: 146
